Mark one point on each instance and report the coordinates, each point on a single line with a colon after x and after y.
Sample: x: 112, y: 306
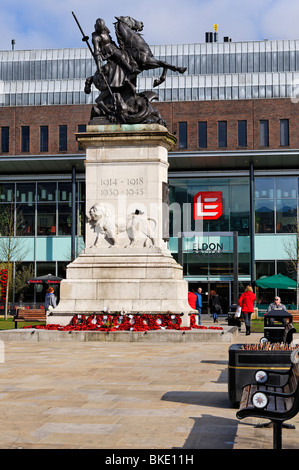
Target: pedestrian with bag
x: 246, y: 302
x: 215, y: 306
x: 50, y: 301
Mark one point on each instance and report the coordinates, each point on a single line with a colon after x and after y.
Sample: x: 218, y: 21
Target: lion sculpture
x: 108, y: 226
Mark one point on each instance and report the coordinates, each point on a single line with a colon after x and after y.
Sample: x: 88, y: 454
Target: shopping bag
x: 238, y: 312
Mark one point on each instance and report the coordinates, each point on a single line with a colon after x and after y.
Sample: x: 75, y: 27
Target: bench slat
x: 30, y: 315
x: 279, y: 408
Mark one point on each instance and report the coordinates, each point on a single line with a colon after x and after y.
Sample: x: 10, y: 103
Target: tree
x: 12, y: 248
x: 291, y: 248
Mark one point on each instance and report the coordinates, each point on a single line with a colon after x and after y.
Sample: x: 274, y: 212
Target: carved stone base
x: 126, y: 169
x: 131, y: 280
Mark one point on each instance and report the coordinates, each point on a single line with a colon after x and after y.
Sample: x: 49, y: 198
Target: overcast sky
x: 36, y: 24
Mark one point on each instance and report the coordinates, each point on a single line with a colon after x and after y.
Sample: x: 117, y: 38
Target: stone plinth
x: 126, y: 265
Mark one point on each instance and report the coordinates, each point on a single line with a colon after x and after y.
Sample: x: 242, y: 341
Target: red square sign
x: 208, y: 205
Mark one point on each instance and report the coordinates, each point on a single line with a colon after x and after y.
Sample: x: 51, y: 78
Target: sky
x: 36, y: 24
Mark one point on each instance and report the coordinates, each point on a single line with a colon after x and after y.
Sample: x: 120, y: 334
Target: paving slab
x: 124, y: 395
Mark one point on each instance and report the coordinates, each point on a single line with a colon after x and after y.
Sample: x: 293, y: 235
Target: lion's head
x: 100, y: 211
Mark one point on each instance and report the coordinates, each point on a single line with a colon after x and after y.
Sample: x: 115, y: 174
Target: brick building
x: 235, y: 115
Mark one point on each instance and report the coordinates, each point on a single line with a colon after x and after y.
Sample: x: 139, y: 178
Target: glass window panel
x: 44, y: 268
x: 61, y: 269
x: 81, y: 221
x: 202, y: 134
x: 7, y: 220
x: 27, y: 212
x: 26, y: 71
x: 5, y: 139
x: 44, y: 69
x: 25, y: 138
x: 64, y: 219
x: 265, y: 268
x: 264, y: 133
x: 264, y: 216
x: 82, y: 191
x: 26, y: 99
x: 62, y: 138
x: 242, y: 133
x: 46, y: 191
x: 81, y: 128
x: 264, y: 187
x: 284, y: 132
x: 46, y: 219
x: 19, y: 99
x: 38, y: 99
x: 63, y: 98
x: 239, y: 210
x: 286, y: 215
x: 65, y: 192
x: 182, y: 135
x: 222, y: 134
x: 44, y: 138
x: 7, y: 192
x: 44, y: 99
x: 26, y: 192
x: 286, y: 187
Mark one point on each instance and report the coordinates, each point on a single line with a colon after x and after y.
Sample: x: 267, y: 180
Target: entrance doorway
x: 223, y: 290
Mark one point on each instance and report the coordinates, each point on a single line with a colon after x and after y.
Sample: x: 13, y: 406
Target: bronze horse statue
x: 130, y: 40
x: 116, y: 79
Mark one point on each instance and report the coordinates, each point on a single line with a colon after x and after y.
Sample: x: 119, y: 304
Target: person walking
x: 199, y: 303
x: 246, y: 302
x: 50, y: 301
x: 192, y: 299
x: 214, y: 304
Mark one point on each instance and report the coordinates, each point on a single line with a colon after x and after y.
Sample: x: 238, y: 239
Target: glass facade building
x: 41, y: 188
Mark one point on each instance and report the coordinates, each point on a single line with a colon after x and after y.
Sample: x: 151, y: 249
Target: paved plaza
x: 124, y: 395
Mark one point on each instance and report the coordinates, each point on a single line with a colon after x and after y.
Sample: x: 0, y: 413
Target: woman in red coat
x: 246, y: 302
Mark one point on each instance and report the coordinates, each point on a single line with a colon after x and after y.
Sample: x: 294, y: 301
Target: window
x: 7, y: 192
x: 286, y: 215
x: 62, y: 138
x: 242, y: 133
x: 182, y: 135
x: 284, y: 132
x: 25, y: 138
x: 222, y: 134
x: 202, y: 134
x: 81, y: 128
x: 264, y: 216
x: 46, y: 192
x: 44, y: 138
x: 4, y: 139
x: 264, y: 133
x: 46, y: 219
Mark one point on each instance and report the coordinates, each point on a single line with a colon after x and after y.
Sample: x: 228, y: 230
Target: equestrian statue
x: 116, y: 78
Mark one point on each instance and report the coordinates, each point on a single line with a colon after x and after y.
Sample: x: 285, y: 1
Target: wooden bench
x: 295, y: 314
x: 276, y: 403
x: 27, y: 315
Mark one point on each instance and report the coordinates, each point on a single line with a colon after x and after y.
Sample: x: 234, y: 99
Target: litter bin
x: 278, y: 326
x: 243, y: 364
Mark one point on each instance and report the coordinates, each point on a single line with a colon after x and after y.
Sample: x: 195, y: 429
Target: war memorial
x: 127, y: 270
x: 126, y: 266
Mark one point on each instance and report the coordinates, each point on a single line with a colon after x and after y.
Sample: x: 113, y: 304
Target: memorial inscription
x: 114, y: 187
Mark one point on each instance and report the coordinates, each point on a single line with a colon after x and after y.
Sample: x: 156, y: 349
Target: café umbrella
x: 46, y: 279
x: 277, y: 281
